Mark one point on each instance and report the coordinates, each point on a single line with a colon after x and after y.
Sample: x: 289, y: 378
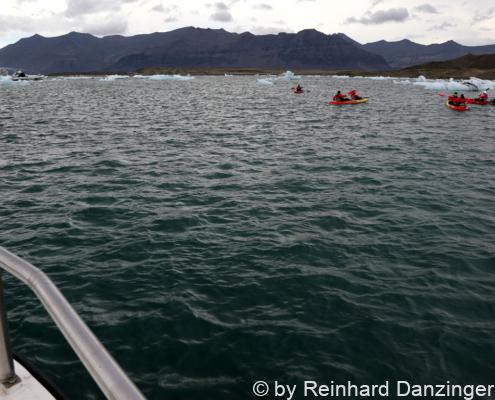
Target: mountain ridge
x: 191, y: 47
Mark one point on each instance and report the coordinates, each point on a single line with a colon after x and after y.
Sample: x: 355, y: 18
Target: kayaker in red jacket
x: 354, y: 95
x: 483, y: 97
x: 462, y: 100
x: 454, y: 99
x: 340, y: 97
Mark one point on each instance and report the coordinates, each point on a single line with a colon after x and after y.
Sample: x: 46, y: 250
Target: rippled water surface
x: 217, y: 232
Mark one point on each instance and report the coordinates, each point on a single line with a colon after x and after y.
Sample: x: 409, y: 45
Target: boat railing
x: 109, y: 376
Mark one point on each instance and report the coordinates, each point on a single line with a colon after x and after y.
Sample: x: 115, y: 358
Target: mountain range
x: 405, y: 53
x: 480, y: 66
x: 205, y: 48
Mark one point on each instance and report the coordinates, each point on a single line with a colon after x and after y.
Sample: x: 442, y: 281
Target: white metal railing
x: 111, y: 379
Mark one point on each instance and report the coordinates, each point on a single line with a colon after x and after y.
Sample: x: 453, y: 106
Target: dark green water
x: 217, y: 232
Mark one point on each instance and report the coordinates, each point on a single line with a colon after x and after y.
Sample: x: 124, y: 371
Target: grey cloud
x: 46, y: 24
x: 221, y: 6
x: 82, y: 7
x: 426, y: 8
x: 167, y: 10
x: 442, y: 27
x: 374, y: 3
x: 15, y: 23
x: 158, y: 8
x: 481, y: 16
x: 222, y: 13
x: 267, y: 30
x: 381, y: 17
x: 221, y: 16
x: 105, y: 28
x: 263, y: 6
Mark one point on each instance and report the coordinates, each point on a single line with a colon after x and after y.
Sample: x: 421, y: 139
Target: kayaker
x: 454, y: 99
x: 462, y: 101
x: 299, y: 88
x: 354, y: 95
x: 483, y: 97
x: 340, y: 97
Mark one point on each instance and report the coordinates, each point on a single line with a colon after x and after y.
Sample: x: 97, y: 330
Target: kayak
x: 477, y: 102
x: 456, y: 108
x: 340, y: 103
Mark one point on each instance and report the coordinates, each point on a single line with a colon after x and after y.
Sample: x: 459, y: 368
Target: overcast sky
x: 424, y: 21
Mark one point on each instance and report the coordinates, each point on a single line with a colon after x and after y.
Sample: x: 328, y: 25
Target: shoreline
x: 404, y: 73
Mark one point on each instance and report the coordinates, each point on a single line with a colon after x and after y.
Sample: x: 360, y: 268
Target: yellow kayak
x: 339, y: 103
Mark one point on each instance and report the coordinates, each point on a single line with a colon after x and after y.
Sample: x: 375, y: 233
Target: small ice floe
x: 161, y: 77
x: 381, y: 78
x: 111, y: 78
x: 265, y: 81
x: 286, y: 76
x: 402, y: 82
x: 75, y: 77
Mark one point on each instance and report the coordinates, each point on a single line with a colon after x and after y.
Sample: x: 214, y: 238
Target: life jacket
x: 483, y: 96
x: 339, y: 97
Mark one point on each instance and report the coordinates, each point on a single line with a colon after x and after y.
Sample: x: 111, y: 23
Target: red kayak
x: 297, y: 91
x: 478, y: 102
x: 457, y: 108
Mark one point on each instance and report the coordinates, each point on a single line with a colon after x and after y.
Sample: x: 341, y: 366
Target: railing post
x: 7, y: 373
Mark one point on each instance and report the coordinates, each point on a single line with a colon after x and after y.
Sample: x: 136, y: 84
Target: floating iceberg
x: 340, y: 76
x: 75, y: 77
x: 480, y: 84
x: 288, y: 76
x: 7, y: 80
x: 265, y: 81
x: 381, y: 78
x: 111, y: 78
x: 404, y: 82
x: 473, y: 84
x: 160, y: 77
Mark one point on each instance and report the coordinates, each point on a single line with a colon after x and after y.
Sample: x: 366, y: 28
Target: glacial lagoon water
x: 216, y: 232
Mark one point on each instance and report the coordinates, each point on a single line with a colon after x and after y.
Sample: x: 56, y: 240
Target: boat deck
x: 27, y: 389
